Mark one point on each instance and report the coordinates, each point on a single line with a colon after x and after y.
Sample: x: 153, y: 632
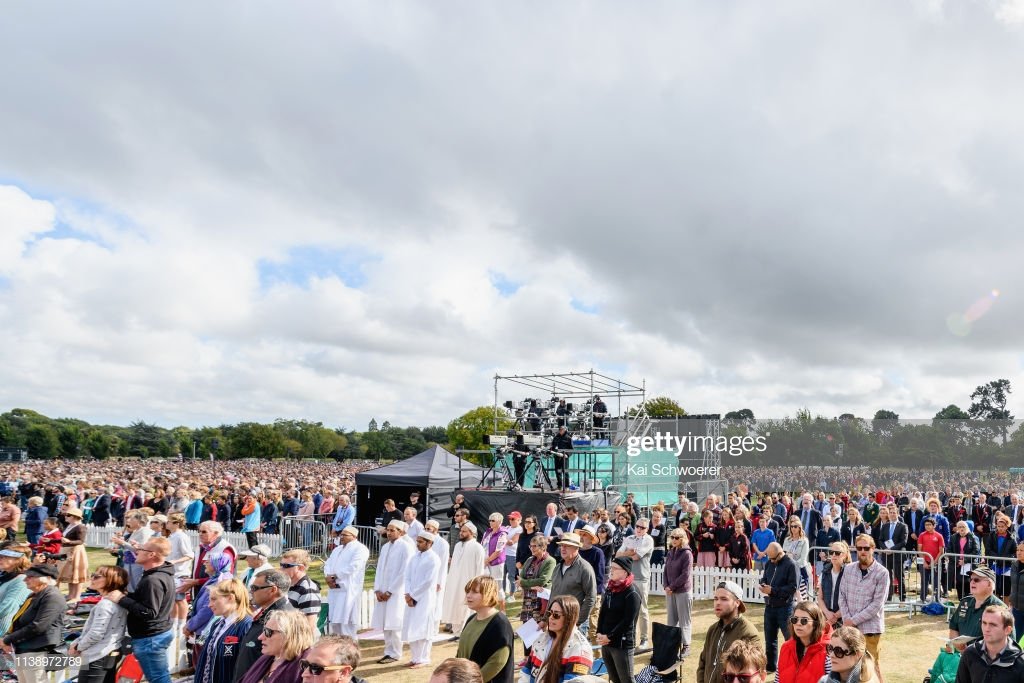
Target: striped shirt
x: 305, y: 596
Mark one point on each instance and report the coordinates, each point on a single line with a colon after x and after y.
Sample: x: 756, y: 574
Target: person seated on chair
x: 560, y: 646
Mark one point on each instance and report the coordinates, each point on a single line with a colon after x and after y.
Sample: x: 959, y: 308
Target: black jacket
x: 975, y: 667
x: 618, y: 615
x: 149, y: 605
x: 250, y: 649
x: 40, y: 627
x: 781, y: 576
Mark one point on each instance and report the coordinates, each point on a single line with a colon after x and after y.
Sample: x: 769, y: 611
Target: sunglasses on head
x: 803, y: 621
x: 317, y: 669
x: 838, y: 652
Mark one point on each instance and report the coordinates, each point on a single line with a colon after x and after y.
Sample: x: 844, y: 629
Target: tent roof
x: 434, y: 468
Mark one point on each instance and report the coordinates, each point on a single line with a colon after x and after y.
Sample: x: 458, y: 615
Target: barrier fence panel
x: 956, y: 572
x: 311, y: 535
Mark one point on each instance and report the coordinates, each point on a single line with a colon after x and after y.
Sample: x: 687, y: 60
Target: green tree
x: 659, y: 407
x: 468, y: 430
x: 952, y: 412
x: 97, y: 445
x: 989, y: 403
x: 254, y: 440
x: 435, y: 434
x: 42, y: 442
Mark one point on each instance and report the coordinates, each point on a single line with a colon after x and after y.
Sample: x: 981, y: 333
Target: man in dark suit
x: 810, y: 518
x: 891, y: 535
x: 572, y: 520
x: 914, y: 519
x: 269, y: 593
x: 1015, y: 511
x: 981, y: 515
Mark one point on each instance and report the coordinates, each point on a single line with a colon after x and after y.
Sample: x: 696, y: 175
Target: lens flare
x: 960, y: 324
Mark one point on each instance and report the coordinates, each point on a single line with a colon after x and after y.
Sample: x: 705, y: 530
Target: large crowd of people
x: 828, y: 559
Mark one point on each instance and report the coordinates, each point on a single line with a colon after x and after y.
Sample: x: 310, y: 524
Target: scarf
x: 534, y: 569
x: 619, y: 586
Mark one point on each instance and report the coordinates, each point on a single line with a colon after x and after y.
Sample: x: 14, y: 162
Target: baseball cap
x: 258, y: 550
x: 736, y: 590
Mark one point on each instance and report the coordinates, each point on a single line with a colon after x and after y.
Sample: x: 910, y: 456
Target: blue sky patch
x: 305, y: 262
x: 505, y: 286
x: 583, y: 307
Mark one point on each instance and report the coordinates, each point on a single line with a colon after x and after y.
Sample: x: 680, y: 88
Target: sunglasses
x: 288, y: 565
x: 269, y: 632
x: 803, y: 621
x: 838, y: 652
x: 255, y: 588
x: 863, y: 549
x: 739, y: 678
x: 317, y: 669
x: 836, y: 553
x: 554, y: 615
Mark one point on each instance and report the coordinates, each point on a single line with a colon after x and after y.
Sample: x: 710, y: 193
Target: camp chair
x: 666, y: 664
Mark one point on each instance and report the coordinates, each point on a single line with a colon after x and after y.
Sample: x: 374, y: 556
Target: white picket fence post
x: 705, y: 579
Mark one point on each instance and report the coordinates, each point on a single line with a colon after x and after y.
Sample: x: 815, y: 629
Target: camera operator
x: 562, y: 441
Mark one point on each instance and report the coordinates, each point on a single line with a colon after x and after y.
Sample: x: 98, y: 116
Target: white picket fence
x: 705, y: 579
x: 100, y: 537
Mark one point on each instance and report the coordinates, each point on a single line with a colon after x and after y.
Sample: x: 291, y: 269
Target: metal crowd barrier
x: 307, y: 533
x: 953, y: 567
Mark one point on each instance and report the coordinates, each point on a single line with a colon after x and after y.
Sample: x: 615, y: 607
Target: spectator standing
x: 495, y: 541
x: 596, y: 558
x: 75, y: 570
x: 679, y: 586
x: 779, y: 584
x: 467, y: 563
x: 229, y: 602
x: 419, y: 627
x: 34, y: 518
x: 731, y: 626
x: 535, y: 575
x: 284, y: 638
x: 389, y: 590
x: 639, y: 549
x: 803, y: 658
x: 829, y: 582
x: 304, y: 593
x: 269, y: 593
x: 344, y: 572
x: 575, y: 577
x: 103, y: 630
x: 616, y: 625
x: 149, y: 610
x: 332, y: 659
x: 759, y: 542
x: 38, y: 626
x: 994, y: 657
x: 863, y: 593
x: 851, y: 662
x: 13, y: 591
x: 1016, y: 602
x: 561, y: 652
x: 798, y: 548
x: 251, y: 520
x: 487, y: 638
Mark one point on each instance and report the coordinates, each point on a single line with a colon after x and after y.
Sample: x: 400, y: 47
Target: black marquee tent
x: 435, y: 473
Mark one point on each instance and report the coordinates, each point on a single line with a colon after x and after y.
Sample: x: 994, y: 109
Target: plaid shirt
x: 862, y: 597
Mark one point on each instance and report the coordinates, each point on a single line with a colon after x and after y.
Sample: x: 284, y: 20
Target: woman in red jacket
x: 802, y: 658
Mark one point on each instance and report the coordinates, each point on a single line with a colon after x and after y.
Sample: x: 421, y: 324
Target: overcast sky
x: 234, y: 211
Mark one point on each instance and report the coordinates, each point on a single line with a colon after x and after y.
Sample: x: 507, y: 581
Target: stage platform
x: 482, y: 502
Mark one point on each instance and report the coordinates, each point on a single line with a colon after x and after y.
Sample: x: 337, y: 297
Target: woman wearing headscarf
x: 218, y: 568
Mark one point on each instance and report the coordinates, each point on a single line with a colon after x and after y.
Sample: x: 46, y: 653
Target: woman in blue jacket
x: 232, y: 618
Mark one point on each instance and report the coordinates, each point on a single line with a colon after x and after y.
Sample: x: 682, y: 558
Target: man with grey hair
x: 639, y: 547
x: 413, y: 525
x: 211, y: 540
x: 269, y: 593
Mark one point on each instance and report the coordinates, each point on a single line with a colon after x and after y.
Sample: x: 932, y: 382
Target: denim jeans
x: 152, y: 655
x: 775, y: 619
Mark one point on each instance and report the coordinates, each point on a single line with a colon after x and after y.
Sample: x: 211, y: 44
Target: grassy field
x: 909, y: 645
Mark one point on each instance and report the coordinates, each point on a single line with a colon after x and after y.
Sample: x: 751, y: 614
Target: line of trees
x: 48, y: 438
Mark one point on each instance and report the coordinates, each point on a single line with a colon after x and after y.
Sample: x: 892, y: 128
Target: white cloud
x: 753, y: 207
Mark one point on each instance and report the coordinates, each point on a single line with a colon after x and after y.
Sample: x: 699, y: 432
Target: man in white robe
x: 389, y: 590
x: 344, y: 572
x: 467, y: 563
x: 419, y: 627
x: 440, y: 547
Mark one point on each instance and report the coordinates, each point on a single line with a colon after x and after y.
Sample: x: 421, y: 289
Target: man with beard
x: 389, y: 590
x: 344, y: 572
x: 467, y: 563
x: 731, y: 627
